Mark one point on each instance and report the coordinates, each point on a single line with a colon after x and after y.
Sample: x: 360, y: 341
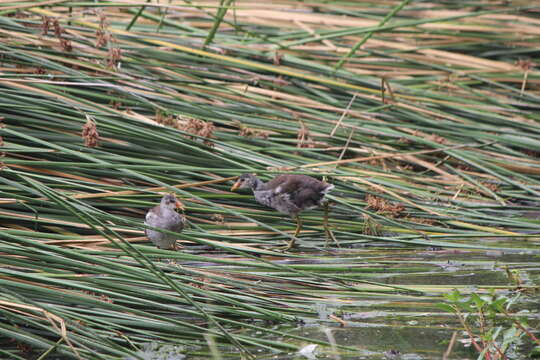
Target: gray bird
x: 164, y: 216
x: 289, y: 194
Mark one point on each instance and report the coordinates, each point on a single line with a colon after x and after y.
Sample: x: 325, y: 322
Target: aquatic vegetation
x: 423, y: 116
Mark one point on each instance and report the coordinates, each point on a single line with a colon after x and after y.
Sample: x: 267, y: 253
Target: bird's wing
x: 306, y: 197
x: 177, y: 221
x: 152, y: 216
x: 283, y: 184
x: 179, y: 225
x: 305, y: 191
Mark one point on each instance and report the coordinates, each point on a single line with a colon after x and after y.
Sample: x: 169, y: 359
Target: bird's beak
x: 179, y: 205
x: 236, y: 185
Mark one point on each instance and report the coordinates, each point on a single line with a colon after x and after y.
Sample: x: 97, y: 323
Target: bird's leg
x: 174, y: 247
x: 290, y: 243
x: 298, y: 225
x: 329, y: 234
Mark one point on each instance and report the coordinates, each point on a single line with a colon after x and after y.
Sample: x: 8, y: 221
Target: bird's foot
x: 329, y: 233
x: 330, y: 236
x: 283, y: 248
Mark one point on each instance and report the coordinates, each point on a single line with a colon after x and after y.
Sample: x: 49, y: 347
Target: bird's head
x: 170, y: 201
x: 245, y: 181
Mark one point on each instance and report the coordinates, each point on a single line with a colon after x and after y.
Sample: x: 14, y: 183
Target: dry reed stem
x: 378, y: 157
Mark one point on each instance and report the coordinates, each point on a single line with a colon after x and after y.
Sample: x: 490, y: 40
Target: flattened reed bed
x: 429, y: 130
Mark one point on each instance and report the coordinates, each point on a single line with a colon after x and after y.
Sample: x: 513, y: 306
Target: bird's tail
x: 327, y: 189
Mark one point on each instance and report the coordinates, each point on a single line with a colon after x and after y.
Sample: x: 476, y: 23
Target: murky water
x: 374, y: 324
x: 381, y: 327
x: 387, y: 326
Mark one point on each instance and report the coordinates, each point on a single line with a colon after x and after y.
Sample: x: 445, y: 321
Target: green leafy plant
x: 489, y: 325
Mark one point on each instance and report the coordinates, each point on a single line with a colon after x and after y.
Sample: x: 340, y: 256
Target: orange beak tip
x: 179, y: 205
x: 235, y: 186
